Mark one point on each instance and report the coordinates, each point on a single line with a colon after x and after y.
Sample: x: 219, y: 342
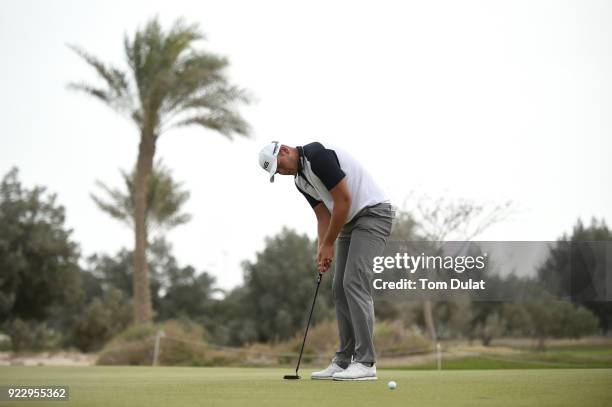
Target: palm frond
x: 101, y: 94
x: 224, y: 121
x: 193, y: 75
x: 117, y: 206
x: 165, y: 200
x: 170, y: 83
x: 152, y: 55
x: 117, y: 94
x: 216, y: 98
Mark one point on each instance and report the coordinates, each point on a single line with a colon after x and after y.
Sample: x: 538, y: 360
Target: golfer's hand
x: 324, y: 257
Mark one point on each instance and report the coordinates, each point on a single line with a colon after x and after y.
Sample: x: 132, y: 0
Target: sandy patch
x: 47, y: 359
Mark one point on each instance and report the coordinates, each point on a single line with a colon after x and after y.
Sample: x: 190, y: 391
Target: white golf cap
x: 267, y: 158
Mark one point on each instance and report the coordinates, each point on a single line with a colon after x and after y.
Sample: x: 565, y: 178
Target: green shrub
x: 127, y: 353
x: 5, y: 342
x: 135, y: 333
x: 103, y: 318
x: 390, y: 338
x: 393, y: 338
x: 32, y: 335
x: 181, y: 345
x: 322, y: 338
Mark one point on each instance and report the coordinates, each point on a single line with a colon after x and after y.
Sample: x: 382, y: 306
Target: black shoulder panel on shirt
x: 311, y: 149
x: 325, y: 164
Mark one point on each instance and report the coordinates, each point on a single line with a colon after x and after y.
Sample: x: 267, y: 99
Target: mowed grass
x: 246, y: 387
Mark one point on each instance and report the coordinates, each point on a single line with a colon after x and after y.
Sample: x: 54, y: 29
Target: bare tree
x: 440, y: 219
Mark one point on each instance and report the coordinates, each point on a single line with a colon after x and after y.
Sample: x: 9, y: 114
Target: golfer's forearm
x: 322, y: 226
x: 338, y: 218
x: 323, y: 217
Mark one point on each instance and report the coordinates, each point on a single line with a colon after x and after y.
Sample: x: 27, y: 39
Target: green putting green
x: 243, y: 387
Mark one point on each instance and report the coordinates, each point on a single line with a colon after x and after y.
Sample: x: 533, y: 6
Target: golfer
x: 353, y: 210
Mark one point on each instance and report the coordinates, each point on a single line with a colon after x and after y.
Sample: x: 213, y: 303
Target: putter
x: 296, y: 376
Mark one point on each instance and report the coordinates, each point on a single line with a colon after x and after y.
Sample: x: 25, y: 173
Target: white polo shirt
x: 321, y: 168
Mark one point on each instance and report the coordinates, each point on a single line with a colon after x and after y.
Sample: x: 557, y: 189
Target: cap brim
x: 273, y: 168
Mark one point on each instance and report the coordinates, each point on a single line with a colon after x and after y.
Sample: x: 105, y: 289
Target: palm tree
x: 168, y: 84
x: 164, y: 201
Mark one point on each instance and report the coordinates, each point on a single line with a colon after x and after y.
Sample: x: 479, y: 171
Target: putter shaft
x: 308, y: 324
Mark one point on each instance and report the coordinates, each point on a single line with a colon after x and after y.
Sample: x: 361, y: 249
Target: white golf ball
x: 392, y: 385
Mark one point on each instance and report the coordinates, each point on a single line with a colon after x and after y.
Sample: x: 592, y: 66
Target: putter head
x: 291, y: 377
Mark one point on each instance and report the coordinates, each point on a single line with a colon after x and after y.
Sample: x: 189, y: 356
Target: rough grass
x: 183, y: 386
x: 577, y: 357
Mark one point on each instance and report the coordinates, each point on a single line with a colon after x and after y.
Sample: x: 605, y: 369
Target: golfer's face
x: 286, y: 166
x: 283, y: 167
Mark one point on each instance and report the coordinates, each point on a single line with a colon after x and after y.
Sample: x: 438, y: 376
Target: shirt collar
x: 300, y: 150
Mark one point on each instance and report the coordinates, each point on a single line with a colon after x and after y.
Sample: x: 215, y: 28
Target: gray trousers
x: 359, y: 241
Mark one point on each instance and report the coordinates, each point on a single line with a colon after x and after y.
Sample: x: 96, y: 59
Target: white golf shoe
x: 327, y: 373
x: 357, y: 371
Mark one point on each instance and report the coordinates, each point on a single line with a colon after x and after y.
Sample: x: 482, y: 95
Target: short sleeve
x: 326, y: 166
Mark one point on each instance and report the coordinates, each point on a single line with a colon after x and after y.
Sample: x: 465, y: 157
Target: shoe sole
x: 356, y: 379
x: 322, y: 378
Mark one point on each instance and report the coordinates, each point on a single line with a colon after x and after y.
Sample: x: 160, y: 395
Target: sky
x: 487, y: 101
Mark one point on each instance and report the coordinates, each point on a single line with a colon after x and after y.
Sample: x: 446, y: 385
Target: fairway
x: 187, y: 386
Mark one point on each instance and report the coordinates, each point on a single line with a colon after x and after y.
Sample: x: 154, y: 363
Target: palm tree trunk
x: 142, y: 293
